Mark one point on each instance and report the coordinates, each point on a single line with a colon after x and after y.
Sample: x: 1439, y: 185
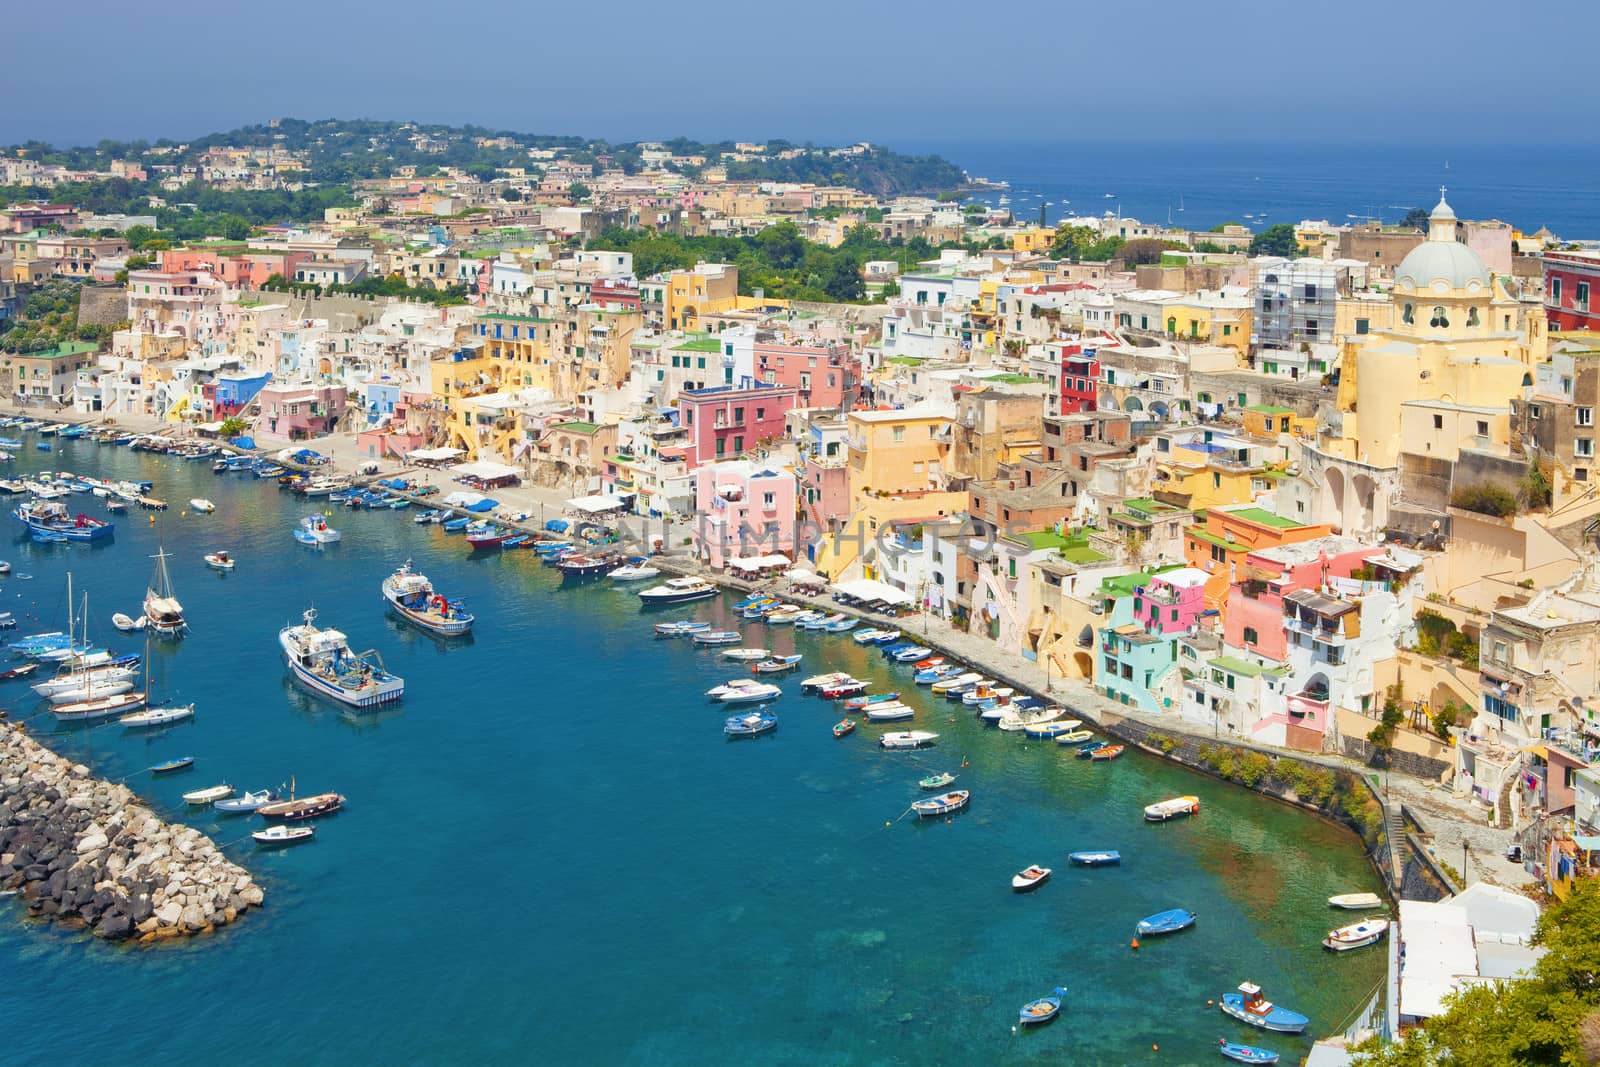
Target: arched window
x: 1408, y: 315
x: 1440, y: 320
x: 1472, y: 316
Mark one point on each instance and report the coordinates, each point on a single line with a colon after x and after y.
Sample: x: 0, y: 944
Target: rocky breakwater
x: 87, y: 854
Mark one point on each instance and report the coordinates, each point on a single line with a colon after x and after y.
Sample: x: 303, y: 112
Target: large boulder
x: 114, y: 926
x: 169, y: 913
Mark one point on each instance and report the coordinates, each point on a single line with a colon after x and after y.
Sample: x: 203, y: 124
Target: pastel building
x: 827, y: 376
x: 1172, y: 602
x: 722, y: 421
x: 744, y: 509
x: 1132, y: 661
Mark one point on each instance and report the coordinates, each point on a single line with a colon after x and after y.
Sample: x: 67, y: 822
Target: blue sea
x: 1201, y: 186
x: 551, y: 854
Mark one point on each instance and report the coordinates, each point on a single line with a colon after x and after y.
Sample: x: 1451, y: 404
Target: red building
x: 826, y: 376
x: 1569, y: 280
x: 241, y: 268
x: 614, y: 296
x: 724, y: 421
x: 1080, y: 377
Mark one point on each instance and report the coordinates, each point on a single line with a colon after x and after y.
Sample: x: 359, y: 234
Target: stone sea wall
x: 87, y: 854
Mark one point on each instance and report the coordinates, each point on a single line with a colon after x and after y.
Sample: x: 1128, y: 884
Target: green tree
x: 1069, y: 242
x: 842, y: 282
x: 1415, y: 219
x: 233, y: 426
x: 1275, y: 240
x: 1145, y: 250
x: 1536, y: 490
x: 139, y: 235
x: 578, y: 191
x: 1538, y: 1020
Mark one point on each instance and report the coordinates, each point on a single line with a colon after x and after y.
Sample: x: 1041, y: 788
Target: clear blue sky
x: 1141, y: 71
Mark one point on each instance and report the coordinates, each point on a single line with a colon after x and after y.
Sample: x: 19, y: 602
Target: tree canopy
x: 1276, y: 240
x: 1544, y: 1019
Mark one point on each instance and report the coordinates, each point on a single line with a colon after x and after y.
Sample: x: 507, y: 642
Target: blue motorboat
x: 934, y: 674
x: 1103, y: 858
x: 681, y: 628
x: 456, y: 525
x: 1089, y: 748
x: 893, y: 648
x: 911, y: 655
x: 1042, y: 1010
x: 42, y: 446
x: 841, y: 626
x: 1245, y: 1053
x: 887, y: 637
x: 751, y: 724
x: 173, y: 765
x: 1249, y: 1006
x: 52, y: 517
x: 516, y: 541
x: 1166, y: 922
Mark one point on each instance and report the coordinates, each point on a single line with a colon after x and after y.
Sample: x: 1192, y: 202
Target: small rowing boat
x: 754, y: 724
x: 908, y: 739
x: 1356, y: 935
x: 1076, y: 737
x: 1165, y: 922
x: 681, y: 628
x: 1175, y: 808
x: 1029, y: 878
x: 274, y: 836
x: 844, y: 727
x: 1356, y: 901
x: 1238, y: 1053
x: 1043, y: 1010
x: 935, y: 781
x: 1103, y: 858
x: 1107, y: 754
x: 210, y: 794
x: 944, y: 804
x: 173, y: 765
x: 246, y: 804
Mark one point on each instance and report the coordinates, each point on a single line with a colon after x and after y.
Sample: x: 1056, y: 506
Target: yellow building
x: 1457, y: 336
x: 1218, y: 320
x: 505, y: 355
x: 708, y: 289
x: 1035, y: 239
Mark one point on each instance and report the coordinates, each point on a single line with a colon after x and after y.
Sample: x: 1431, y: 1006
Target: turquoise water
x: 551, y: 854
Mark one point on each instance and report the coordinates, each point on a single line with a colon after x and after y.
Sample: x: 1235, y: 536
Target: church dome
x: 1441, y: 262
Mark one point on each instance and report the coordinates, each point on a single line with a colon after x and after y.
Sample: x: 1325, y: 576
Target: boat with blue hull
x: 1042, y: 1010
x: 321, y: 661
x: 411, y: 596
x: 754, y: 724
x: 1250, y: 1007
x: 1103, y: 858
x: 1166, y: 922
x: 51, y: 520
x: 679, y: 591
x: 1238, y: 1053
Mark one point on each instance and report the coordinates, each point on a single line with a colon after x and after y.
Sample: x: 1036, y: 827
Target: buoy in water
x: 1136, y: 944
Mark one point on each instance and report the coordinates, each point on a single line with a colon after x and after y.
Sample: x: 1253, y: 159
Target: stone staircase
x: 1502, y: 803
x: 1399, y: 851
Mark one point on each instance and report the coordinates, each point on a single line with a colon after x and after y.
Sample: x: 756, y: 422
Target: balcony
x: 1308, y: 702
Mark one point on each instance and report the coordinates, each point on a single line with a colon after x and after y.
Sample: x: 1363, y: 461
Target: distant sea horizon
x: 1199, y: 187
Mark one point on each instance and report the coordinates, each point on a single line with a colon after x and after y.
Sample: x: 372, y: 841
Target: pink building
x: 826, y: 376
x: 300, y: 412
x: 724, y: 421
x: 744, y: 509
x: 1254, y: 619
x: 1172, y: 602
x: 240, y: 268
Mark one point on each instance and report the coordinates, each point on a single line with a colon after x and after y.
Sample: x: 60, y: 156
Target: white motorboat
x: 1015, y: 720
x: 890, y: 711
x: 157, y: 716
x: 747, y: 653
x: 783, y: 616
x: 209, y: 795
x: 678, y: 591
x: 125, y: 624
x: 869, y: 635
x: 956, y: 682
x: 634, y: 572
x: 1356, y: 901
x: 314, y: 530
x: 908, y: 739
x: 823, y: 681
x: 1175, y: 808
x: 161, y: 607
x: 283, y: 835
x: 202, y: 505
x: 321, y: 661
x: 1356, y: 935
x: 219, y: 561
x: 88, y: 689
x: 744, y: 691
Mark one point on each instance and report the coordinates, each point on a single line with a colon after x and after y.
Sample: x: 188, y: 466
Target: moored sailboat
x: 162, y: 611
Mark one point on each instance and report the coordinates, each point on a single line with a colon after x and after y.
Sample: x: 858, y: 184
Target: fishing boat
x: 634, y: 572
x: 1029, y: 878
x: 847, y: 688
x: 219, y: 561
x: 681, y: 627
x: 162, y: 612
x: 516, y: 540
x: 818, y: 682
x: 202, y: 505
x: 1248, y: 1006
x: 844, y: 727
x: 937, y: 674
x: 275, y: 836
x: 908, y: 739
x: 679, y: 590
x: 744, y: 691
x: 747, y: 653
x: 423, y: 518
x: 910, y: 655
x: 489, y: 537
x: 1048, y: 731
x: 1238, y: 1053
x: 1089, y: 748
x: 209, y: 795
x: 18, y: 672
x: 1175, y: 808
x: 173, y: 765
x: 244, y: 805
x: 1043, y: 1010
x: 123, y: 623
x: 456, y: 525
x: 891, y: 711
x: 314, y: 530
x: 411, y: 596
x: 1092, y: 858
x: 1356, y: 935
x: 778, y: 665
x: 862, y: 702
x: 1110, y: 752
x: 302, y: 808
x: 157, y: 716
x: 1076, y: 737
x: 1165, y: 922
x: 321, y: 661
x: 1356, y: 901
x: 116, y: 505
x: 943, y: 804
x: 51, y: 518
x: 755, y: 723
x: 707, y: 638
